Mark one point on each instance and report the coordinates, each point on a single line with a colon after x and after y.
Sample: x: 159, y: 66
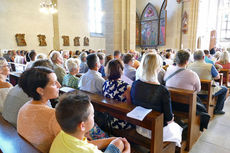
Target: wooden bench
x: 206, y: 85
x: 187, y: 97
x: 11, y: 142
x: 225, y: 73
x: 177, y: 95
x: 153, y: 121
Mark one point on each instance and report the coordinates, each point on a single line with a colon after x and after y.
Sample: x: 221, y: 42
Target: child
x: 75, y: 114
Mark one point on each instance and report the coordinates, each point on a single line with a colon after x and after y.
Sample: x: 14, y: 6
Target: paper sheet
x: 66, y: 89
x: 139, y: 113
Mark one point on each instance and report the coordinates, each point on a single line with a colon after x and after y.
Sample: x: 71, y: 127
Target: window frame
x: 95, y: 33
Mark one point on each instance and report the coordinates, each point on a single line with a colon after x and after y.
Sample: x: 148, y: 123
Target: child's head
x: 75, y: 113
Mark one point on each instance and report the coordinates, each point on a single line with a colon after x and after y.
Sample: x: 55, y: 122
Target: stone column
x: 56, y: 41
x: 131, y: 25
x: 189, y: 39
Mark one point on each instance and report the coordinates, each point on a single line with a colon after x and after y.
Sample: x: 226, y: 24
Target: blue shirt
x: 214, y: 72
x: 92, y: 82
x: 102, y: 70
x: 207, y: 60
x: 83, y: 67
x: 130, y: 72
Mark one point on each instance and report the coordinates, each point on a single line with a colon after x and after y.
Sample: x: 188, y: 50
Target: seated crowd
x: 129, y: 78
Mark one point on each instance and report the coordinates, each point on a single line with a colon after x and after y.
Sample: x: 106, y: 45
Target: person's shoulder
x: 5, y: 85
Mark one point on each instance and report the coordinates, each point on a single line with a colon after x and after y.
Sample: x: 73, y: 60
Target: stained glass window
x: 149, y: 26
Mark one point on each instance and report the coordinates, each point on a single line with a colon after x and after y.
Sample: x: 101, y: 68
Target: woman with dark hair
x: 107, y: 59
x: 36, y: 120
x: 114, y: 87
x: 117, y: 89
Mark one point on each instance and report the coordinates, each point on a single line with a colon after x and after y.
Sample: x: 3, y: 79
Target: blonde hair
x: 149, y: 67
x: 224, y: 58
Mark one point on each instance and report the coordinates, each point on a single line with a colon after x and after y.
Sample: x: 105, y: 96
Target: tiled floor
x: 217, y: 138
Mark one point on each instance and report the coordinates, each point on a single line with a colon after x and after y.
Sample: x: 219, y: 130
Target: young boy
x: 75, y: 115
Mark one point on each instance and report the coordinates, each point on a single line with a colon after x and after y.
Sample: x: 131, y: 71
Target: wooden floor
x: 217, y: 138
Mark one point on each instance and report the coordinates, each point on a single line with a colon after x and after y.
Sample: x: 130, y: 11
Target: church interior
x: 114, y: 76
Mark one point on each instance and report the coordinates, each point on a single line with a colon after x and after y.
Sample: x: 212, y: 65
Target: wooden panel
x: 11, y: 142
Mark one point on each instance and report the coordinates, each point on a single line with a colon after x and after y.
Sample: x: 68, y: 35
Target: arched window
x: 149, y: 26
x: 95, y: 17
x: 162, y: 27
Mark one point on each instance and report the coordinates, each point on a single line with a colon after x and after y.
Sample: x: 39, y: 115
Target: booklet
x: 66, y: 89
x: 139, y: 113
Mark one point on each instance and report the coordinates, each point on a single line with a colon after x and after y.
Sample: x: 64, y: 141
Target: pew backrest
x: 188, y: 97
x: 11, y: 141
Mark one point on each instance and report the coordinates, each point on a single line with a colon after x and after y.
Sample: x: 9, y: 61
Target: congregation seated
x: 107, y: 59
x: 57, y: 61
x: 117, y: 54
x: 168, y: 60
x: 20, y: 57
x: 123, y: 77
x: 36, y: 120
x: 207, y: 57
x: 136, y: 63
x: 116, y: 89
x: 65, y: 56
x: 129, y: 71
x: 41, y: 56
x: 147, y: 92
x: 16, y: 98
x: 92, y: 80
x: 101, y: 57
x: 70, y: 80
x: 5, y: 86
x: 207, y: 71
x: 32, y: 55
x: 83, y: 66
x: 177, y: 77
x: 160, y: 75
x: 224, y: 61
x: 75, y: 124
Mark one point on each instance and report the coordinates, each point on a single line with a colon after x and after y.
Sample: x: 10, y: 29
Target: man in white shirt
x: 92, y: 80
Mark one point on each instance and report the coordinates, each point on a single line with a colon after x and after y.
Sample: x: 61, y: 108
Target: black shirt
x: 152, y: 96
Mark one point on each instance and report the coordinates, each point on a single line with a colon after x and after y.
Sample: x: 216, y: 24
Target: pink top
x: 186, y: 79
x: 225, y: 66
x: 38, y: 125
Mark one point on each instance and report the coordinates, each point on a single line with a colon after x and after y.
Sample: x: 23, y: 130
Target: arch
x: 162, y: 24
x: 149, y: 26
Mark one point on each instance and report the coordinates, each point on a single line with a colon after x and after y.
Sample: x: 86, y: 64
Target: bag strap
x: 169, y: 77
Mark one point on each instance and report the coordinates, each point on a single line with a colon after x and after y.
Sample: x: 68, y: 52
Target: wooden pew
x: 11, y: 142
x: 177, y: 95
x: 206, y: 85
x: 225, y: 73
x: 153, y: 121
x: 187, y: 97
x: 14, y: 77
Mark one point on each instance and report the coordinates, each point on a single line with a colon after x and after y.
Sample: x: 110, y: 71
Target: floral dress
x: 115, y: 89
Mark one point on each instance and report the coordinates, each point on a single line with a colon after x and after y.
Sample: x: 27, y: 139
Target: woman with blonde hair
x: 147, y: 92
x: 224, y: 61
x: 4, y: 86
